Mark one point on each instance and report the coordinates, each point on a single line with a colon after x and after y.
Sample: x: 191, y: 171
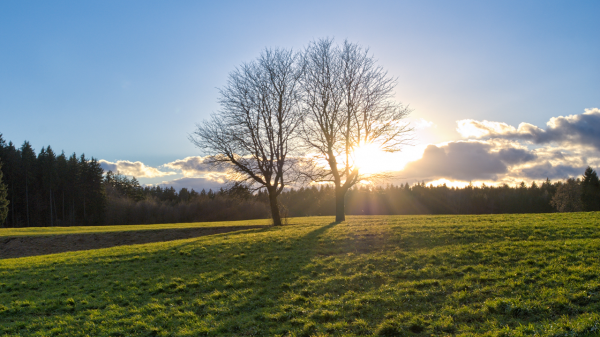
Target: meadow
x: 486, y: 275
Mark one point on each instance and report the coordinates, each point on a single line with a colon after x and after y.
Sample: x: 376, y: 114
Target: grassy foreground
x: 492, y: 275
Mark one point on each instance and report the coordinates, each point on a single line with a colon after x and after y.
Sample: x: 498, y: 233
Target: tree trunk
x: 12, y: 195
x: 27, y: 197
x: 51, y: 222
x: 274, y: 209
x: 340, y: 211
x: 55, y: 210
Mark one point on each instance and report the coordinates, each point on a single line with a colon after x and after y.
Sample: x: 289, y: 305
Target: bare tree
x: 348, y: 102
x: 253, y: 135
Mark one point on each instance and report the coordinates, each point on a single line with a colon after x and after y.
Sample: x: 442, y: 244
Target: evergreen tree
x: 93, y: 191
x: 72, y: 188
x: 12, y: 172
x: 3, y: 199
x: 590, y: 191
x: 48, y: 175
x: 568, y: 196
x: 62, y: 184
x: 28, y: 162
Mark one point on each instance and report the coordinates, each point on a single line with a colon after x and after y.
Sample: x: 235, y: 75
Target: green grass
x: 29, y: 231
x: 491, y: 275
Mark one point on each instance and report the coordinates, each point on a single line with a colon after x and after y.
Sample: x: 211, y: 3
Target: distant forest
x: 59, y: 190
x: 49, y: 189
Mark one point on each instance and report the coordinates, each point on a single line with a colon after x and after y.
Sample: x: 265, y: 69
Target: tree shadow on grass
x: 286, y: 266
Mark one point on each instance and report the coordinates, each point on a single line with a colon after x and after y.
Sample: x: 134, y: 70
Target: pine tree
x: 3, y: 199
x: 590, y: 191
x: 568, y: 196
x: 96, y: 192
x: 49, y: 177
x: 72, y: 190
x: 62, y: 182
x: 28, y: 162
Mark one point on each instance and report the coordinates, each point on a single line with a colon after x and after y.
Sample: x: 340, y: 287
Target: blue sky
x: 128, y: 80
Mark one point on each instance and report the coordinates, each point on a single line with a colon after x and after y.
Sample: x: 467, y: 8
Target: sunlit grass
x: 492, y: 275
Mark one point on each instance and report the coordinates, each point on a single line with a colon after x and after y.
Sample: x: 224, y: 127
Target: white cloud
x: 136, y: 169
x: 194, y: 167
x: 494, y: 161
x: 472, y: 128
x: 420, y: 124
x: 572, y: 130
x: 198, y: 184
x: 562, y: 150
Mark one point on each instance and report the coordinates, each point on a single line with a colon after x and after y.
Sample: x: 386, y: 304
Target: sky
x: 501, y: 92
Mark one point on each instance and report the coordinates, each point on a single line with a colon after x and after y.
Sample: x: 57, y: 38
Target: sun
x: 370, y: 159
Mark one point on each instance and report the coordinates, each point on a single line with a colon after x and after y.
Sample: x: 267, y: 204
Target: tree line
x: 130, y: 203
x: 49, y: 189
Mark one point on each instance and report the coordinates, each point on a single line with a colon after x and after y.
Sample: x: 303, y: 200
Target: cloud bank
x: 466, y: 161
x: 498, y: 152
x: 194, y: 166
x: 492, y: 162
x: 573, y: 130
x: 198, y: 184
x: 136, y: 169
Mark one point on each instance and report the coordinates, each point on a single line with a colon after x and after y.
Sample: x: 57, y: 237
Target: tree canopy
x: 348, y: 103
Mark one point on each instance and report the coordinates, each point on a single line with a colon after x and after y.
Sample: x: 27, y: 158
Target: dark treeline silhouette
x: 576, y: 195
x: 130, y: 203
x: 423, y: 199
x: 572, y: 195
x: 51, y: 190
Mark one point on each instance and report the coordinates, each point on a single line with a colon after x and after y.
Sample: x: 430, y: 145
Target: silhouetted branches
x: 348, y: 103
x: 253, y: 135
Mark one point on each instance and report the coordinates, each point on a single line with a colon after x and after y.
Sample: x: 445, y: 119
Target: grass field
x: 491, y: 275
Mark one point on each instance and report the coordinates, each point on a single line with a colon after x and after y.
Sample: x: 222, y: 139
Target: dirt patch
x: 20, y: 246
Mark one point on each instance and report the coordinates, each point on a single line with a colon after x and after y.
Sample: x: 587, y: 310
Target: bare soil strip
x: 20, y: 246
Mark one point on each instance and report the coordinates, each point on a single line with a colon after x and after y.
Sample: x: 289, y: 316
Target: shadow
x: 35, y: 245
x: 184, y: 275
x: 286, y: 268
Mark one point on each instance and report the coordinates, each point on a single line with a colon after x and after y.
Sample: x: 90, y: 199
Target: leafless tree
x: 347, y: 102
x: 254, y: 133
